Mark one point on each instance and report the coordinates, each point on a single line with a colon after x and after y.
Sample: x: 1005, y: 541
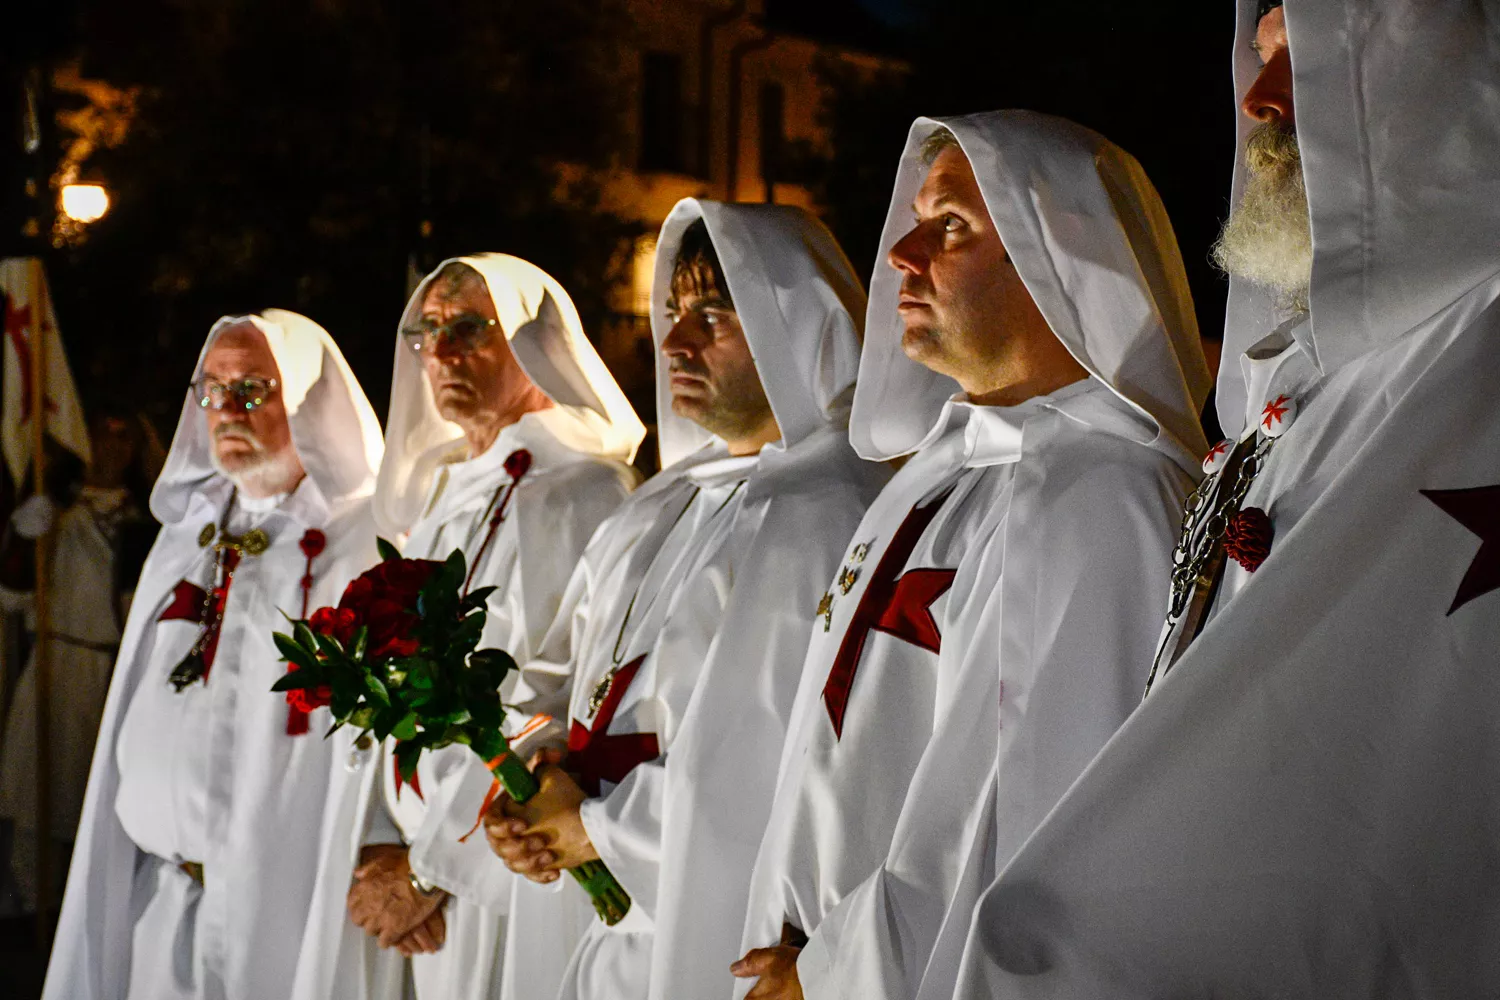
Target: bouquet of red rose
x: 397, y: 658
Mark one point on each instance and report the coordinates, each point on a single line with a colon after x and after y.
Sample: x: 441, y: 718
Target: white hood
x: 541, y: 325
x: 334, y: 428
x: 798, y: 301
x: 1391, y: 96
x: 1092, y: 242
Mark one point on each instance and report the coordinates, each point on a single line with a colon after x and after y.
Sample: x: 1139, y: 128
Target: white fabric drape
x: 256, y: 815
x: 1048, y: 524
x: 1304, y: 806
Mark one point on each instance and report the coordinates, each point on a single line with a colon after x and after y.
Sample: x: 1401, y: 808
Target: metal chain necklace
x: 1198, y: 558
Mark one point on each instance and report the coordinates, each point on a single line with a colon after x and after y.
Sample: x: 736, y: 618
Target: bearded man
x: 991, y: 622
x: 1305, y: 804
x: 686, y: 676
x: 509, y: 441
x: 197, y: 850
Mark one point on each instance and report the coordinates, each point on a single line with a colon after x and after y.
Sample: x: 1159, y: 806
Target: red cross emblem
x: 901, y: 607
x: 594, y: 755
x: 1215, y: 457
x: 16, y: 322
x: 1477, y: 509
x: 1277, y: 415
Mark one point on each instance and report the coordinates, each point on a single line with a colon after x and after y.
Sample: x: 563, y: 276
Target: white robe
x: 1033, y: 499
x: 211, y: 775
x: 732, y: 596
x: 546, y: 923
x: 577, y: 477
x: 1304, y: 805
x: 560, y: 502
x: 976, y: 654
x: 82, y: 656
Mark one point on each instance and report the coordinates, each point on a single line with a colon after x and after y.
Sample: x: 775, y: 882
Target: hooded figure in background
x: 1306, y: 805
x: 197, y: 850
x: 681, y: 706
x: 508, y: 440
x: 994, y: 617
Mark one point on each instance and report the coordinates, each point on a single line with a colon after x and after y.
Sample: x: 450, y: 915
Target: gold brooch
x: 848, y: 577
x: 825, y: 611
x: 206, y: 535
x: 251, y: 543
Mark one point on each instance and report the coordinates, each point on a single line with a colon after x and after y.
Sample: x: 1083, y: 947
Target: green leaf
x: 406, y: 729
x: 294, y: 652
x: 377, y: 690
x: 407, y: 755
x: 488, y: 744
x: 357, y: 648
x: 478, y: 598
x: 387, y: 550
x: 296, y: 680
x: 328, y: 645
x: 305, y: 636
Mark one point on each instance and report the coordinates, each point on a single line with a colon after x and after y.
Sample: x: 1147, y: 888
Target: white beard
x: 1267, y: 239
x: 263, y: 474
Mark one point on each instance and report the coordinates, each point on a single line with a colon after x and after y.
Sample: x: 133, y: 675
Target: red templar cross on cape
x: 1477, y: 509
x: 596, y: 756
x: 901, y: 607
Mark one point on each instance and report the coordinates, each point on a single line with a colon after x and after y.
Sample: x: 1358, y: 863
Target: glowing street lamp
x: 85, y: 202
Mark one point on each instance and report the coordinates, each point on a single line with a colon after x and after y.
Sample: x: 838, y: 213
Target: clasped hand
x: 544, y: 836
x: 384, y: 903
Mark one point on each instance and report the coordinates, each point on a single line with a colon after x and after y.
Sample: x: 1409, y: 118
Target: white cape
x: 1304, y: 805
x: 576, y: 478
x: 723, y: 641
x: 902, y: 781
x: 262, y: 858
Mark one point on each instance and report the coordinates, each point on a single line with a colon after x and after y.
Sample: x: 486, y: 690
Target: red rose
x: 337, y: 623
x: 1248, y: 537
x: 358, y: 595
x: 313, y: 542
x: 306, y: 699
x: 391, y: 627
x: 517, y: 463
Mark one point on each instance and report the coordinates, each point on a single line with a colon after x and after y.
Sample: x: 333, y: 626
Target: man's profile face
x: 472, y: 384
x: 711, y: 373
x: 246, y: 440
x: 1267, y: 239
x: 958, y: 287
x: 1269, y: 98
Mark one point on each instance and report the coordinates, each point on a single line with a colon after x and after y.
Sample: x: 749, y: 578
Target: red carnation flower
x: 516, y: 463
x: 1247, y: 538
x: 313, y: 542
x: 337, y: 623
x: 306, y: 699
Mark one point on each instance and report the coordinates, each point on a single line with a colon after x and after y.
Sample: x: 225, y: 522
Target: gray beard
x: 263, y: 475
x: 1267, y: 239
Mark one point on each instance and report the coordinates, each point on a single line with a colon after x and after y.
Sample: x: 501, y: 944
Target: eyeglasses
x: 464, y: 334
x: 249, y: 393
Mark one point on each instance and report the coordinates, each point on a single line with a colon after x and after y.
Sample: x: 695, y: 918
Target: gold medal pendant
x: 254, y: 542
x: 600, y: 692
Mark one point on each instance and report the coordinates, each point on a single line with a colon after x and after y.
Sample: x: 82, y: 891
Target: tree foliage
x: 299, y: 154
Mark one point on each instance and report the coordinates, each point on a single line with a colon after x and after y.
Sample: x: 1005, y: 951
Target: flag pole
x: 43, y: 646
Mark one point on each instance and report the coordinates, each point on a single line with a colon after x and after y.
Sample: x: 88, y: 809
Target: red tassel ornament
x: 1247, y: 538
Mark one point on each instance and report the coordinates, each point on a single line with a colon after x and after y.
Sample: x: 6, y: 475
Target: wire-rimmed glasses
x: 464, y: 334
x: 244, y: 393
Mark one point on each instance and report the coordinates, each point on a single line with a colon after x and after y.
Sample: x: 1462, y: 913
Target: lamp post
x: 84, y: 203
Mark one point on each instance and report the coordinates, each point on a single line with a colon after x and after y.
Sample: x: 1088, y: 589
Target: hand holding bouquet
x: 397, y: 658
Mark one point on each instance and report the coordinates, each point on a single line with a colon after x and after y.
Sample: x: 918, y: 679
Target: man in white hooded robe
x: 681, y: 705
x: 1306, y: 803
x: 992, y: 621
x: 197, y: 850
x: 508, y: 440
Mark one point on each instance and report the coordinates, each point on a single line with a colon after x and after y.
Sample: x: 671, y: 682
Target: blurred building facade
x: 724, y: 102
